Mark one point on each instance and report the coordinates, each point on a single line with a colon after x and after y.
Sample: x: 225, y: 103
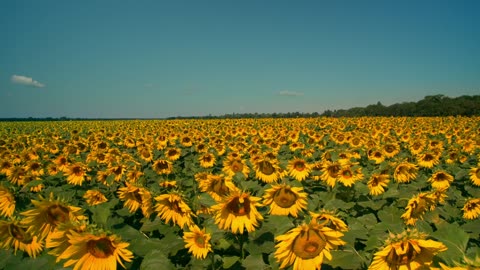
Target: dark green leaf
x: 456, y: 239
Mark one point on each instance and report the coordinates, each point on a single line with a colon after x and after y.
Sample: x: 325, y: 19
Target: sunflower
x: 14, y: 234
x: 376, y: 155
x: 76, y: 174
x: 471, y: 209
x: 172, y: 207
x: 428, y: 159
x: 198, y: 242
x: 378, y: 183
x: 298, y: 169
x: 306, y: 245
x: 475, y: 175
x: 234, y: 165
x: 207, y: 160
x: 330, y: 172
x: 134, y: 197
x: 330, y: 220
x: 6, y: 167
x: 173, y: 153
x: 62, y: 163
x: 168, y: 184
x: 95, y: 251
x: 285, y: 200
x: 117, y: 171
x: 34, y: 168
x: 48, y: 214
x: 348, y: 175
x: 266, y: 170
x: 145, y: 154
x: 57, y: 241
x: 217, y: 186
x: 390, y: 149
x: 441, y: 180
x: 405, y: 172
x: 7, y: 202
x: 17, y: 175
x: 316, y: 170
x: 163, y: 166
x: 417, y: 206
x: 94, y: 197
x: 408, y: 250
x: 238, y: 212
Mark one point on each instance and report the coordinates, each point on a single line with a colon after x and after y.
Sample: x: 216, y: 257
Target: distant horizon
x: 160, y: 59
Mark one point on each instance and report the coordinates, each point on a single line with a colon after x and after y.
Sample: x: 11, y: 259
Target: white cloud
x: 290, y: 93
x: 19, y: 79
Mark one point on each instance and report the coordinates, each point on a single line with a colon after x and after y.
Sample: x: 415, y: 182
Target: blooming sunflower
x: 285, y: 200
x: 475, y: 175
x: 428, y: 159
x: 7, y: 202
x: 471, y: 209
x: 390, y: 149
x: 330, y: 220
x: 266, y: 170
x: 330, y: 172
x: 306, y: 245
x: 348, y: 175
x: 238, y: 212
x: 378, y: 183
x: 62, y: 163
x: 117, y: 171
x: 298, y: 169
x: 94, y: 197
x: 417, y: 206
x: 207, y: 160
x: 173, y: 153
x: 76, y: 173
x: 405, y: 251
x: 198, y: 242
x: 95, y: 251
x: 405, y: 172
x: 376, y: 155
x: 163, y: 166
x: 234, y: 165
x: 172, y: 207
x: 14, y: 234
x: 57, y: 241
x: 48, y: 214
x: 134, y: 197
x: 217, y: 186
x: 441, y: 180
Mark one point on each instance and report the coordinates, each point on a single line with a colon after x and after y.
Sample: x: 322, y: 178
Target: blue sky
x: 153, y: 59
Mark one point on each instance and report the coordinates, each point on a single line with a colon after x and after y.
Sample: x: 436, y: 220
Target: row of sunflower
x: 343, y: 193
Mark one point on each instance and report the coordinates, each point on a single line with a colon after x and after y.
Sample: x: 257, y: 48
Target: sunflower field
x: 303, y: 193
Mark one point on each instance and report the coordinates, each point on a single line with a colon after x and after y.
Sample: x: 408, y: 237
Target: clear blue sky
x: 179, y: 58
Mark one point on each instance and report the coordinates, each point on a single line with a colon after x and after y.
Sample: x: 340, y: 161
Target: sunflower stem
x: 212, y: 254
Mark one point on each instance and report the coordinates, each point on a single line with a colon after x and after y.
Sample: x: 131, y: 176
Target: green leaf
x: 390, y: 219
x: 336, y: 204
x: 277, y: 224
x: 229, y: 261
x: 456, y: 239
x: 345, y: 259
x: 156, y: 259
x: 254, y: 262
x: 102, y: 212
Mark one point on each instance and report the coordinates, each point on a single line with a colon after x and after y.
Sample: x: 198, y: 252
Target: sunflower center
x: 19, y: 233
x: 266, y: 167
x: 333, y: 170
x: 428, y: 157
x: 239, y: 206
x: 237, y: 166
x: 219, y: 187
x: 102, y: 248
x: 77, y: 170
x: 162, y: 165
x: 299, y: 166
x: 389, y: 148
x: 309, y: 244
x: 441, y: 177
x: 57, y: 214
x: 375, y: 180
x: 285, y: 197
x: 200, y: 241
x: 419, y: 208
x: 118, y: 170
x: 394, y: 259
x: 347, y: 174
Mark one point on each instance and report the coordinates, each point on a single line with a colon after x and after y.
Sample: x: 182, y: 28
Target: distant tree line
x: 435, y: 105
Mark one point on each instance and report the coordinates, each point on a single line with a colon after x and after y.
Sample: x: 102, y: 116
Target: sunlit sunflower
x: 471, y: 209
x: 329, y: 219
x: 98, y: 251
x: 405, y: 251
x: 475, y: 175
x: 428, y: 159
x: 76, y: 173
x: 207, y: 160
x: 417, y: 206
x: 172, y: 207
x: 349, y: 175
x: 266, y: 170
x: 94, y: 197
x: 34, y: 168
x: 198, y: 242
x: 145, y: 154
x: 133, y: 175
x: 390, y: 149
x: 135, y: 197
x: 285, y: 200
x: 14, y: 235
x: 173, y: 153
x: 238, y: 212
x: 17, y: 175
x: 441, y: 180
x: 6, y: 167
x: 378, y: 183
x: 217, y: 186
x: 306, y: 246
x: 168, y: 184
x: 57, y: 241
x: 405, y: 172
x: 330, y: 172
x: 48, y: 214
x: 117, y: 170
x: 234, y: 165
x: 62, y: 163
x: 7, y: 202
x: 316, y: 170
x: 162, y: 166
x: 298, y: 169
